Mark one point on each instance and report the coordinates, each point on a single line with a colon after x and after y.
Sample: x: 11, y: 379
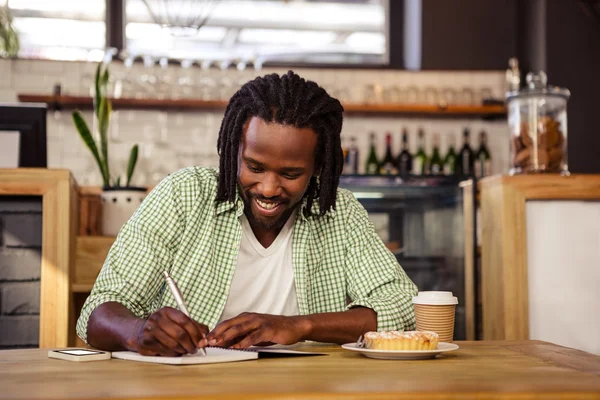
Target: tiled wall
x: 174, y: 139
x: 20, y: 267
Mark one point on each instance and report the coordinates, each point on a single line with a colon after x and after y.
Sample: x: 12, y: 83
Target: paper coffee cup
x: 435, y: 311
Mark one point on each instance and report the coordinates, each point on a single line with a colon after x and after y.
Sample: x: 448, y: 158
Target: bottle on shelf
x: 483, y: 160
x: 436, y: 165
x: 404, y: 160
x: 466, y: 157
x: 420, y: 160
x: 372, y: 165
x: 388, y: 165
x: 513, y: 75
x: 351, y: 158
x: 450, y: 159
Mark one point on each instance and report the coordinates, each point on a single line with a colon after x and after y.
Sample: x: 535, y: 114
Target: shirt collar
x: 314, y: 210
x: 224, y: 206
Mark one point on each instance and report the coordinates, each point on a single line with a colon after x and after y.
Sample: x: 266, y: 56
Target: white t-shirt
x: 263, y: 281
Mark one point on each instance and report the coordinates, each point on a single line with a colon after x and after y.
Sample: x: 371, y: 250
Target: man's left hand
x: 250, y: 329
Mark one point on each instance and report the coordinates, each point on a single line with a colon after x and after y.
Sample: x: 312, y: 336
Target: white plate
x: 402, y: 354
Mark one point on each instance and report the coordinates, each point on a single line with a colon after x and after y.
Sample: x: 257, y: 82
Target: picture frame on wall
x: 23, y: 135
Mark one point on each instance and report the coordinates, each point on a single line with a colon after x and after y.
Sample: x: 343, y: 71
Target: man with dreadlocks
x: 265, y: 250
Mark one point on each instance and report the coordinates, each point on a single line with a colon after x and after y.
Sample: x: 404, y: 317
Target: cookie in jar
x: 537, y: 119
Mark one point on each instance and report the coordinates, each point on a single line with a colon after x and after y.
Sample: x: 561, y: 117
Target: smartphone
x: 79, y: 355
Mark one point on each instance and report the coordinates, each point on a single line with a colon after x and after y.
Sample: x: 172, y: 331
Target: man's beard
x: 257, y: 221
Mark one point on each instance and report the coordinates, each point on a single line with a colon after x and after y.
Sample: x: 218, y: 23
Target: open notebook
x: 216, y: 355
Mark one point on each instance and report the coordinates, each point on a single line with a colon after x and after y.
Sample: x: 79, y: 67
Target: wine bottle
x: 388, y: 165
x: 404, y: 160
x: 420, y: 161
x: 483, y: 159
x: 466, y: 158
x: 372, y: 166
x: 450, y: 159
x: 351, y: 159
x: 436, y: 165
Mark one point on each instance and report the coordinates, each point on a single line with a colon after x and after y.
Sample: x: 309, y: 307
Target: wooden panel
x: 469, y: 232
x: 51, y: 275
x: 59, y: 220
x: 90, y: 190
x: 90, y: 215
x: 550, y: 186
x: 504, y: 244
x: 492, y: 261
x: 516, y: 311
x: 73, y: 228
x: 90, y: 254
x: 478, y: 370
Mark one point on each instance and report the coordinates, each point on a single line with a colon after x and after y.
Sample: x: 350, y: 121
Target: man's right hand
x: 168, y: 332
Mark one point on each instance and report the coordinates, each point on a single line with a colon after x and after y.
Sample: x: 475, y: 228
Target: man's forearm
x: 111, y: 326
x: 338, y: 327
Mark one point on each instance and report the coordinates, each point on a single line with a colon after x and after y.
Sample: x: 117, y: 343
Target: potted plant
x: 118, y: 202
x: 9, y: 40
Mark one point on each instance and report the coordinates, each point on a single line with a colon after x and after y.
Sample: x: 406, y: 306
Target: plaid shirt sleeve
x: 132, y: 272
x: 375, y: 279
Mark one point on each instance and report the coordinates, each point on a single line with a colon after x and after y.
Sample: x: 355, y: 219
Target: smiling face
x: 275, y: 165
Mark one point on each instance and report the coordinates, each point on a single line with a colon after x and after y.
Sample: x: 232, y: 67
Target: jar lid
x: 537, y: 85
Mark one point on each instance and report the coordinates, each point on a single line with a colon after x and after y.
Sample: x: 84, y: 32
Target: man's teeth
x: 267, y: 206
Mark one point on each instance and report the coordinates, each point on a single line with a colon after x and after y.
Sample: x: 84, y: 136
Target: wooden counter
x: 59, y: 194
x: 506, y: 250
x: 490, y: 370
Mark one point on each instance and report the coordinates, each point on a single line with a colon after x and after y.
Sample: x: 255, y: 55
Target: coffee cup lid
x: 435, y: 298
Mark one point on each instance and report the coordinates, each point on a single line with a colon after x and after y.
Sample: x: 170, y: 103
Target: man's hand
x: 168, y: 332
x: 249, y: 329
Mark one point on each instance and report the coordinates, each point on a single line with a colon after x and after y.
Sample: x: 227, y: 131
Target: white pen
x: 179, y: 299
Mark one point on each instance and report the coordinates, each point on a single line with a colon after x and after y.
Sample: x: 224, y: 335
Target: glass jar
x: 537, y: 119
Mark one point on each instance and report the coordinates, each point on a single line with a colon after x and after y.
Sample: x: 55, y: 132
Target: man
x: 266, y: 250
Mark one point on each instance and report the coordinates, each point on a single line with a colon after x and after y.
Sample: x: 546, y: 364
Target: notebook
x: 216, y: 355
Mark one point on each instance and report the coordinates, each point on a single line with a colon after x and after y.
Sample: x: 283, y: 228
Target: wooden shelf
x: 81, y: 287
x: 72, y: 102
x: 90, y: 253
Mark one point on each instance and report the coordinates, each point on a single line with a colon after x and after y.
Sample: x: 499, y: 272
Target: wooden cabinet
x: 540, y: 256
x: 59, y: 194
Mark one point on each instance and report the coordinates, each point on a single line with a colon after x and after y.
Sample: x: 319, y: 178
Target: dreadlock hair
x: 286, y: 100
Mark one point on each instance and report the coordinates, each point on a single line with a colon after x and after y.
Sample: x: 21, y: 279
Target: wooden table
x: 501, y: 369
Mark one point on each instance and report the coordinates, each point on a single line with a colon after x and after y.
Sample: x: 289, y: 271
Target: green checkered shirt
x: 339, y: 260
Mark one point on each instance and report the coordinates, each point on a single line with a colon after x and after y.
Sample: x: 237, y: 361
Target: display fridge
x: 422, y: 222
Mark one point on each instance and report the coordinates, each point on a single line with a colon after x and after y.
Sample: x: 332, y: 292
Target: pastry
x: 549, y: 141
x: 396, y: 340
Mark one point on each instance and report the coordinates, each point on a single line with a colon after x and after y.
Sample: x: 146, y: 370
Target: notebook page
x: 213, y: 355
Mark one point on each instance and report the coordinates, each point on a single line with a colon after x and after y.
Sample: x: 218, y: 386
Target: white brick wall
x: 191, y: 135
x: 20, y: 268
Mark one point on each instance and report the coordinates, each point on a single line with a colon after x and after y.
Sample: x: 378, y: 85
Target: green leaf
x: 97, y: 93
x: 87, y: 138
x: 103, y: 123
x: 118, y: 181
x: 104, y: 83
x: 133, y: 155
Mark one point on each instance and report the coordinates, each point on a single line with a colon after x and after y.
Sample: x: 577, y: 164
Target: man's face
x: 275, y: 164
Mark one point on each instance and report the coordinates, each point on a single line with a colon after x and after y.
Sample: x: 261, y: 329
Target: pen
x: 179, y: 299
